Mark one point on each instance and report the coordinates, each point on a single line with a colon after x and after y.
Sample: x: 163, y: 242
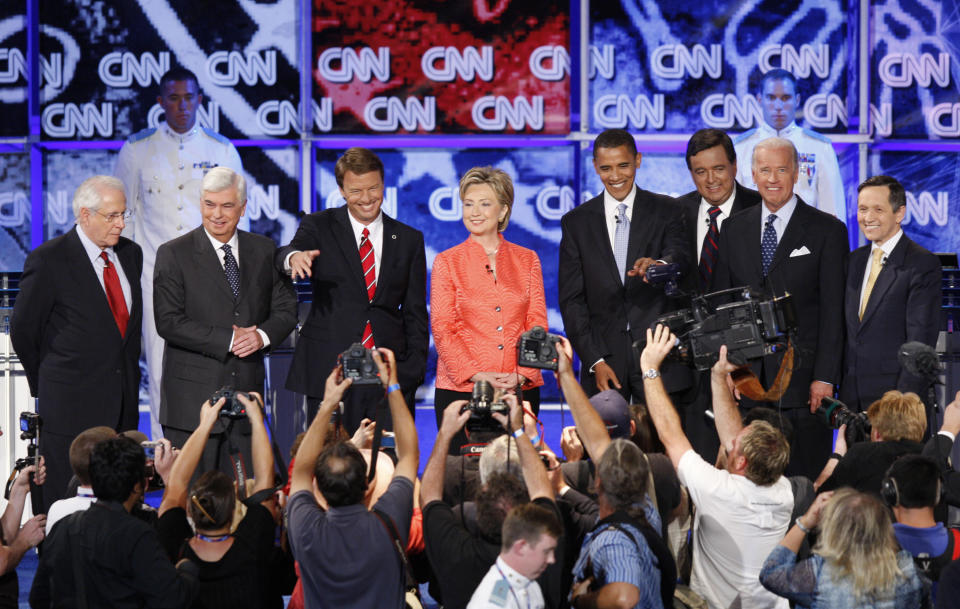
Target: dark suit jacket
x: 814, y: 280
x: 341, y: 308
x: 83, y: 372
x: 690, y: 204
x: 904, y: 306
x: 195, y: 313
x: 595, y: 303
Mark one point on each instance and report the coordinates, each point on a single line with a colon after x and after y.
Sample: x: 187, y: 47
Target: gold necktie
x: 875, y: 267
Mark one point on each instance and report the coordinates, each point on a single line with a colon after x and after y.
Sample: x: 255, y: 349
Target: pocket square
x: 800, y: 251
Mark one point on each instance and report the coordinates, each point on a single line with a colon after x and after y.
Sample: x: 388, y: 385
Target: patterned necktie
x: 118, y: 304
x: 368, y: 262
x: 768, y: 245
x: 232, y: 270
x: 708, y: 253
x: 621, y: 237
x: 876, y: 266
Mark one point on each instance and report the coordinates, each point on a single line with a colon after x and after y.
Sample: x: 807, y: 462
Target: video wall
x: 438, y: 87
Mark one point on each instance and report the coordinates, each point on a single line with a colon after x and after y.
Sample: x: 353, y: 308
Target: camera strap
x: 236, y: 461
x: 377, y: 434
x: 749, y: 385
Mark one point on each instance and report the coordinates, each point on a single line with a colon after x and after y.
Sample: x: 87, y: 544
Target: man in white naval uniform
x: 820, y: 184
x: 162, y: 169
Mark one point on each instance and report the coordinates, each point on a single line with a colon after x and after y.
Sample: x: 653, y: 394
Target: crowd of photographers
x: 627, y: 515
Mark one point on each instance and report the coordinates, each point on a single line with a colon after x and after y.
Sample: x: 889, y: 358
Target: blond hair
x: 498, y: 181
x: 767, y: 453
x: 898, y: 416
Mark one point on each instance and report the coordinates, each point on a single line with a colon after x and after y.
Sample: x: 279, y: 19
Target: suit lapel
x: 858, y: 263
x: 388, y: 252
x: 209, y: 262
x: 85, y: 276
x: 347, y: 243
x: 596, y: 230
x: 887, y: 277
x: 752, y: 242
x: 641, y: 226
x: 249, y: 263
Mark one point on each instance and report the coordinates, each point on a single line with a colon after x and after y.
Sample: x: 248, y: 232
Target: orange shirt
x: 476, y: 319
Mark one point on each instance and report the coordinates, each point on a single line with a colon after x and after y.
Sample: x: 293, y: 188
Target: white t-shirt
x: 738, y: 524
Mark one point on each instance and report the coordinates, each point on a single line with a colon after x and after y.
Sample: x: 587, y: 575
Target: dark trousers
x: 444, y: 397
x: 55, y: 450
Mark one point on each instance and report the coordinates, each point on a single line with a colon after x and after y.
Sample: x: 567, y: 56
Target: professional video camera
x: 536, y: 348
x: 836, y: 413
x: 666, y: 274
x: 357, y: 364
x: 232, y: 408
x: 482, y: 405
x: 751, y: 328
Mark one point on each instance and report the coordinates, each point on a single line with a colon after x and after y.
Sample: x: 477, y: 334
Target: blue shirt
x: 616, y: 558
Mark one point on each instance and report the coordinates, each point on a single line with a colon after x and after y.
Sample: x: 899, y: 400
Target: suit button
x: 499, y: 328
x: 179, y: 207
x: 117, y: 371
x: 236, y: 313
x: 180, y: 187
x: 179, y: 227
x: 233, y: 374
x: 497, y: 309
x: 500, y: 347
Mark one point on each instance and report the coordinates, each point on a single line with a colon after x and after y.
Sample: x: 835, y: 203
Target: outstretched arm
x: 312, y: 444
x: 725, y: 411
x: 259, y: 443
x: 175, y: 494
x: 593, y: 433
x: 431, y: 486
x: 664, y: 415
x: 534, y: 474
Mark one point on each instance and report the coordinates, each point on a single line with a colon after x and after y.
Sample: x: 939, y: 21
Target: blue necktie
x: 621, y: 237
x: 232, y: 270
x: 768, y: 244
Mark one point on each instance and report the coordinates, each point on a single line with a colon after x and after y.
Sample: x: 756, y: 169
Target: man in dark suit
x: 379, y: 298
x: 893, y: 297
x: 76, y: 327
x: 786, y: 246
x: 219, y: 305
x: 712, y: 161
x: 605, y: 301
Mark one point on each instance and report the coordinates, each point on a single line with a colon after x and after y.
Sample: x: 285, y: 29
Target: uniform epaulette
x: 220, y: 138
x: 141, y: 135
x: 744, y: 135
x: 816, y: 136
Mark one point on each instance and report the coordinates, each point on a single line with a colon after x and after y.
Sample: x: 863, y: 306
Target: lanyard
x: 512, y: 592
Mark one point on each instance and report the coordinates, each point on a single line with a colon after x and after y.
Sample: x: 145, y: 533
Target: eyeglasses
x: 126, y: 215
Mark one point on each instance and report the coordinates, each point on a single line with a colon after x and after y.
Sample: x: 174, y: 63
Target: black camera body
x: 482, y: 406
x: 357, y: 364
x: 836, y: 413
x: 751, y: 328
x: 232, y: 408
x: 536, y: 348
x: 667, y: 275
x: 30, y: 423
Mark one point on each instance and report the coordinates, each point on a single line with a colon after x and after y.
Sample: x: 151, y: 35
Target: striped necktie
x: 708, y: 253
x: 369, y: 264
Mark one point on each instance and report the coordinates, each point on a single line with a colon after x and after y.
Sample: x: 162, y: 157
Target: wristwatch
x: 651, y: 374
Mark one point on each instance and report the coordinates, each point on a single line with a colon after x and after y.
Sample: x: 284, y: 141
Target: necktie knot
x: 877, y: 256
x: 622, y: 211
x: 770, y: 220
x: 714, y: 212
x: 105, y: 257
x: 365, y: 233
x: 226, y: 248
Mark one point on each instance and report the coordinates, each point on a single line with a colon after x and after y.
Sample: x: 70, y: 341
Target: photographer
x: 347, y: 554
x: 939, y: 448
x: 460, y: 559
x: 897, y: 422
x: 14, y: 539
x: 233, y: 542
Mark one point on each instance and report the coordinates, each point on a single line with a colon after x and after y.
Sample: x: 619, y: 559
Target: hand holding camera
x: 536, y: 348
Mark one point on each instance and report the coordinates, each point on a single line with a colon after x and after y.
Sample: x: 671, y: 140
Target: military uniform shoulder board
x: 220, y: 138
x: 745, y: 135
x: 817, y: 136
x: 142, y: 134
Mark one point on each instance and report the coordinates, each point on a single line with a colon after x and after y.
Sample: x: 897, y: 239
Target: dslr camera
x: 357, y: 364
x: 750, y: 327
x: 536, y: 348
x: 836, y: 413
x: 29, y: 425
x: 482, y: 406
x: 232, y: 408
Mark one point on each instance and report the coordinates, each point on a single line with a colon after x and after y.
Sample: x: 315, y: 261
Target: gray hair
x: 493, y: 459
x: 221, y: 178
x: 90, y: 193
x: 776, y: 143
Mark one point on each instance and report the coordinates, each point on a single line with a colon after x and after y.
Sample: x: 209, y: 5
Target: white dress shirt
x: 93, y: 254
x: 703, y: 217
x: 887, y: 248
x: 375, y: 237
x: 610, y: 214
x: 234, y: 243
x: 783, y: 217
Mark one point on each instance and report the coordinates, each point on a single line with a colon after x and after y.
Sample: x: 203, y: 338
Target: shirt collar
x: 726, y: 207
x: 84, y: 491
x: 217, y: 244
x: 92, y: 249
x: 513, y: 576
x: 783, y: 214
x: 358, y: 226
x: 610, y: 204
x: 767, y: 130
x: 890, y: 243
x: 180, y: 137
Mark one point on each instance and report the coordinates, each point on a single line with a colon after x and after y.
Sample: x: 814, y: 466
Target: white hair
x: 221, y: 178
x: 493, y: 459
x: 776, y: 143
x: 90, y: 193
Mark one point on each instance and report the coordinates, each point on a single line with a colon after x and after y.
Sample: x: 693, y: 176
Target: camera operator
x: 106, y: 556
x: 14, y: 539
x: 347, y: 554
x: 80, y: 450
x: 460, y: 559
x: 233, y: 552
x: 897, y: 421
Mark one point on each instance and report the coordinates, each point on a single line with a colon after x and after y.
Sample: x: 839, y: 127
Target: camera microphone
x: 920, y: 359
x: 883, y: 261
x: 489, y: 270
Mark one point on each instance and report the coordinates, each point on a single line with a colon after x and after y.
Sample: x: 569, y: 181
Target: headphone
x: 891, y: 494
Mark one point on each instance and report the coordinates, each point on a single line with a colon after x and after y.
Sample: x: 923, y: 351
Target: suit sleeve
x: 307, y: 237
x: 571, y: 292
x: 173, y: 324
x: 453, y: 347
x: 126, y: 171
x: 283, y: 309
x: 832, y: 279
x: 414, y: 311
x: 923, y: 311
x: 30, y: 313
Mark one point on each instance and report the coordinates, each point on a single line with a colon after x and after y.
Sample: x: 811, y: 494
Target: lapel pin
x: 393, y: 236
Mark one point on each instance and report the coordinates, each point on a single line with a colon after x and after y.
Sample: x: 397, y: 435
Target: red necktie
x: 368, y: 262
x: 708, y: 253
x: 118, y: 305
